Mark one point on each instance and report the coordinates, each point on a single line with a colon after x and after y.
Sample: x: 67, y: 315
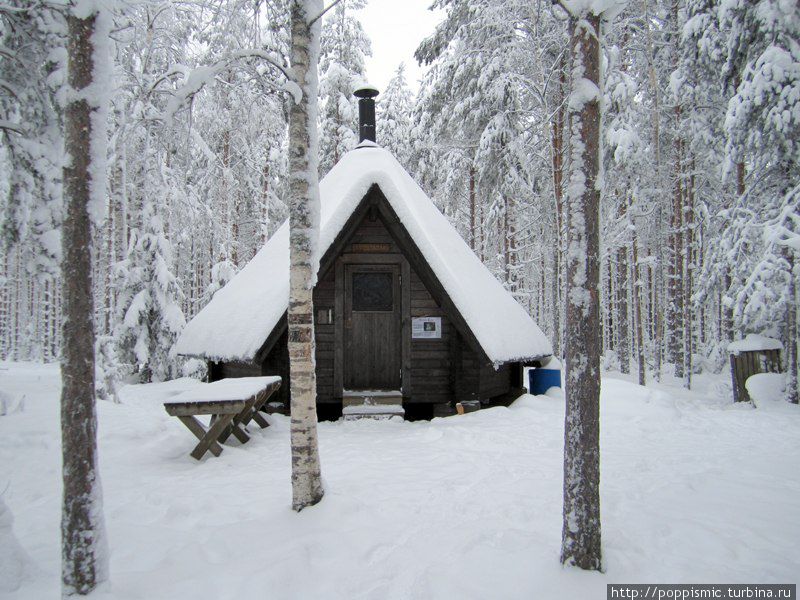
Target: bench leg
x: 238, y: 432
x: 260, y: 420
x: 200, y: 432
x: 255, y: 414
x: 209, y: 440
x: 234, y: 428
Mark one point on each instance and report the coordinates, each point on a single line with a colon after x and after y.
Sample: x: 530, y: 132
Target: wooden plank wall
x: 238, y: 369
x: 468, y: 376
x: 430, y: 359
x: 431, y: 380
x: 324, y: 295
x: 442, y: 370
x: 494, y: 383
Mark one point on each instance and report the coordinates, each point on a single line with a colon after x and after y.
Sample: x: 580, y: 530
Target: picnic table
x: 231, y: 404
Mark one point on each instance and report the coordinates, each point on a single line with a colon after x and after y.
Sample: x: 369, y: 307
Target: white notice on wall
x: 426, y: 328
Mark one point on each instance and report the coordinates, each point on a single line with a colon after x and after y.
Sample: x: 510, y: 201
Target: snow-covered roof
x: 754, y: 342
x: 239, y: 318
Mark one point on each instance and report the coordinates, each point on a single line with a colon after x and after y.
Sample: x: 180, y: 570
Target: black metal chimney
x: 366, y: 112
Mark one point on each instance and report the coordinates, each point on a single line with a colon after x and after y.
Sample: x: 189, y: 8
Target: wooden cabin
x: 402, y: 305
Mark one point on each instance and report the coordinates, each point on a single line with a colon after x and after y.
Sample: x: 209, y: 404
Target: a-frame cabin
x: 402, y: 305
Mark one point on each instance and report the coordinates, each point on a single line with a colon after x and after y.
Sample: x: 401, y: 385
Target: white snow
x: 237, y: 321
x: 752, y: 342
x: 376, y: 409
x: 294, y: 90
x: 552, y: 363
x: 583, y: 91
x: 693, y: 489
x: 239, y: 388
x: 765, y: 388
x: 10, y: 404
x: 608, y: 9
x: 14, y: 561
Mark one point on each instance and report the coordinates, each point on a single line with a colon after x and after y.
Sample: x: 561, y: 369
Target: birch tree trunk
x: 580, y: 545
x: 303, y: 232
x: 83, y: 551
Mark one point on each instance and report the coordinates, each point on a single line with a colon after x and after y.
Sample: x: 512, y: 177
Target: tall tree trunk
x: 580, y: 543
x: 304, y: 233
x: 557, y: 145
x: 83, y: 552
x: 481, y: 236
x: 607, y: 295
x: 472, y: 207
x: 623, y: 278
x: 675, y: 324
x: 623, y: 345
x: 265, y: 201
x: 506, y: 238
x: 637, y: 288
x: 792, y: 391
x: 726, y: 310
x: 687, y: 282
x: 5, y: 307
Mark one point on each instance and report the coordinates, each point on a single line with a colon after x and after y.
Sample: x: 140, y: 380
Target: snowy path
x: 693, y: 490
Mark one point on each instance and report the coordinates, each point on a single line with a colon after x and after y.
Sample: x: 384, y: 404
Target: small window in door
x: 372, y: 292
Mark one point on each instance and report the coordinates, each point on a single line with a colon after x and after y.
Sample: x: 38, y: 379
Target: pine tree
x: 763, y: 65
x: 84, y: 559
x: 394, y: 118
x: 580, y: 545
x: 149, y: 302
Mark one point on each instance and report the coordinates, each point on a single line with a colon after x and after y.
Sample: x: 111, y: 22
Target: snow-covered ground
x: 693, y: 490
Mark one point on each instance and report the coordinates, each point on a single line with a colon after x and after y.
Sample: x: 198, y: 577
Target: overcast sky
x: 396, y: 27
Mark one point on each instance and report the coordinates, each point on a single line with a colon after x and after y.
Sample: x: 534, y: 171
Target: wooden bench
x: 230, y: 403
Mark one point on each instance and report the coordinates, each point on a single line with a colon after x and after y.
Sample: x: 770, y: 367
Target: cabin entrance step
x: 372, y: 404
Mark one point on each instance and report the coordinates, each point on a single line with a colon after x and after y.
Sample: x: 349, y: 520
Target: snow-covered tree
x: 344, y: 48
x: 32, y: 74
x: 149, y: 302
x: 763, y: 124
x: 394, y: 117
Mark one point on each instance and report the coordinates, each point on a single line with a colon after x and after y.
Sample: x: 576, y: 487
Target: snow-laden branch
x: 321, y: 14
x: 12, y: 127
x: 607, y: 9
x: 195, y: 79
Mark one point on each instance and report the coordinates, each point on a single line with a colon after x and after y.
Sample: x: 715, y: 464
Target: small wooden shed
x: 754, y: 354
x: 402, y: 305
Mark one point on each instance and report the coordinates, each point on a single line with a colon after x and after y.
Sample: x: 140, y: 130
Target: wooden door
x: 372, y: 355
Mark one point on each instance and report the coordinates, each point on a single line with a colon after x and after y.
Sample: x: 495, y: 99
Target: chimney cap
x: 366, y: 91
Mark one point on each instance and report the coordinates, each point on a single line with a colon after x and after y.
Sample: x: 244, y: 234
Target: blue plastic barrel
x: 540, y: 380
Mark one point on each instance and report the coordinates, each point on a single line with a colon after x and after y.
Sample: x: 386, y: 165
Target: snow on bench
x: 224, y: 390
